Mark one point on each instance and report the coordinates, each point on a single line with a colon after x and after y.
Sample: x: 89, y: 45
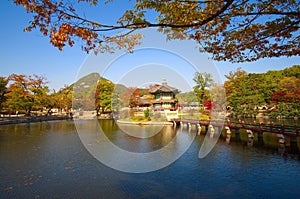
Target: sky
x: 176, y: 61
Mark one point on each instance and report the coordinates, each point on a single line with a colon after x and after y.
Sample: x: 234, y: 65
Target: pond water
x: 48, y: 160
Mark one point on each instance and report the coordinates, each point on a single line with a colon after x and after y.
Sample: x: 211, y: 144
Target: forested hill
x: 91, y: 80
x: 276, y: 89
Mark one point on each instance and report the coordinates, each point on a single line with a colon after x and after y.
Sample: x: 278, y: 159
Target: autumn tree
x: 37, y: 86
x: 26, y: 92
x: 62, y: 99
x: 234, y: 80
x: 3, y: 90
x: 131, y: 97
x: 135, y: 98
x: 289, y: 91
x: 233, y: 30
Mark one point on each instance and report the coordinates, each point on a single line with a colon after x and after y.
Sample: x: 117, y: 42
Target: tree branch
x: 147, y: 24
x: 269, y: 13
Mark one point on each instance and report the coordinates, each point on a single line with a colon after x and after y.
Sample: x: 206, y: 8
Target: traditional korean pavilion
x: 164, y: 96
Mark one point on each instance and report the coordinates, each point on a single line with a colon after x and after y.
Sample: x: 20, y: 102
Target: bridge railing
x: 256, y: 127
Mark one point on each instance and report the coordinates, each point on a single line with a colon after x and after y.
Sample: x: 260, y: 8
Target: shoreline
x: 144, y: 123
x: 31, y: 119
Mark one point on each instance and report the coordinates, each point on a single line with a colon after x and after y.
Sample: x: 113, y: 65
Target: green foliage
x: 62, y: 99
x: 27, y: 93
x: 115, y: 102
x: 187, y: 97
x: 3, y: 90
x: 203, y: 82
x: 103, y: 95
x: 139, y: 119
x: 278, y: 89
x: 147, y: 113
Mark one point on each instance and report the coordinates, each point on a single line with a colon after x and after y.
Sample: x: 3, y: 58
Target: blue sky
x: 31, y: 53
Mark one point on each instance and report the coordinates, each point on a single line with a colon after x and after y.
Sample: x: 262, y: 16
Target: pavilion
x: 164, y: 97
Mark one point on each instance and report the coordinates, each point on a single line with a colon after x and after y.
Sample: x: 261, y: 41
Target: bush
x: 138, y: 118
x: 147, y: 113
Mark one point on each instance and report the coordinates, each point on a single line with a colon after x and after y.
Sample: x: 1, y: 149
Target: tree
x: 203, y: 81
x: 233, y: 30
x: 115, y: 103
x: 3, y: 90
x: 245, y: 92
x: 37, y: 85
x: 130, y: 97
x: 289, y: 91
x: 103, y: 95
x: 234, y: 80
x: 26, y: 92
x: 188, y: 97
x: 62, y: 99
x: 293, y: 71
x: 218, y: 97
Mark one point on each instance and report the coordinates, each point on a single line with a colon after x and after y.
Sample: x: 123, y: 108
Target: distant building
x: 164, y: 96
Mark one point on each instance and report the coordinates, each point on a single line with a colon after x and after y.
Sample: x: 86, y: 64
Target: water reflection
x: 281, y: 149
x: 228, y: 134
x: 48, y: 160
x: 140, y: 141
x: 121, y: 151
x: 140, y: 131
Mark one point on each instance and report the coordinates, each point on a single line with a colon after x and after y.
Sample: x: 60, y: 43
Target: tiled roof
x: 164, y: 88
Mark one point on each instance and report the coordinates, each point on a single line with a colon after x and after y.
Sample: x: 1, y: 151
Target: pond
x: 48, y: 160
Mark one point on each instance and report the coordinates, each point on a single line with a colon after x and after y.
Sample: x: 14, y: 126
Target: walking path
x: 27, y: 119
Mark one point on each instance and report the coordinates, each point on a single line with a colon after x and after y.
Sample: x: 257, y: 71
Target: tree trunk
x: 97, y: 111
x: 28, y: 112
x: 49, y: 112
